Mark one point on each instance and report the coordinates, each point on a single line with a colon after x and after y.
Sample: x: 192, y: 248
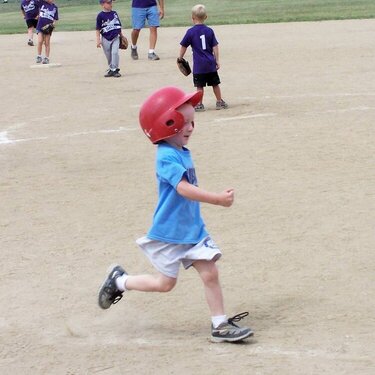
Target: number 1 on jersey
x: 203, y: 39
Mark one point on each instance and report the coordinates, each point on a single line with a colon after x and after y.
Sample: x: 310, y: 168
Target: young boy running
x: 178, y: 234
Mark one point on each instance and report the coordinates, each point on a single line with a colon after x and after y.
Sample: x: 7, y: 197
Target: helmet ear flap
x: 171, y: 122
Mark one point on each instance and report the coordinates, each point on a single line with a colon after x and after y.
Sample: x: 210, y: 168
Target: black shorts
x: 32, y: 22
x: 47, y: 32
x: 206, y: 79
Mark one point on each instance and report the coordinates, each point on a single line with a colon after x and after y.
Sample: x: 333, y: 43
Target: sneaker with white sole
x: 39, y: 59
x: 45, y: 60
x: 109, y: 293
x: 30, y: 42
x: 199, y: 108
x: 221, y: 104
x: 134, y: 53
x: 231, y: 332
x: 153, y: 56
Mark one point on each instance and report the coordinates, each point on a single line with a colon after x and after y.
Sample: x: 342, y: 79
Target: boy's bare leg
x: 217, y: 92
x: 210, y: 276
x: 150, y: 283
x: 47, y: 43
x: 40, y: 43
x: 30, y: 33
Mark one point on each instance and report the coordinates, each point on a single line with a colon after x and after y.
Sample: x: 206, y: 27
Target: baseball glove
x: 123, y: 42
x: 184, y: 66
x: 47, y: 29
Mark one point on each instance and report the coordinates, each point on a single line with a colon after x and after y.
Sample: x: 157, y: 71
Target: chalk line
x: 297, y: 96
x: 353, y: 109
x: 4, y: 138
x: 242, y: 117
x: 343, y: 110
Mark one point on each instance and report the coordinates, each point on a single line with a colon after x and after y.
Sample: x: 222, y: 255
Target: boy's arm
x: 195, y: 193
x: 216, y: 54
x: 98, y: 42
x: 182, y: 52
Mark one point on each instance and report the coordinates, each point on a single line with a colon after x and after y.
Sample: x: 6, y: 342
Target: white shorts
x: 167, y: 257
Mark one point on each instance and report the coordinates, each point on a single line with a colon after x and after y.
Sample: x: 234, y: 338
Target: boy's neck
x: 177, y: 147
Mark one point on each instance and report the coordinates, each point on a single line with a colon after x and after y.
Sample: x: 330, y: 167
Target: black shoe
x: 109, y: 73
x: 116, y: 73
x: 109, y: 293
x: 231, y: 332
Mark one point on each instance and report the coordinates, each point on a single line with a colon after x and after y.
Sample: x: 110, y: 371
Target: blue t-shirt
x: 176, y: 219
x: 31, y: 8
x: 47, y: 14
x: 143, y: 3
x: 202, y: 39
x: 109, y: 24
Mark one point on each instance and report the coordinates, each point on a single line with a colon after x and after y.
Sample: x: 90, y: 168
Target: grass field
x: 82, y: 17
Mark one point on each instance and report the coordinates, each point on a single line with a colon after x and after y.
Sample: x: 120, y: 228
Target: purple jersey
x: 48, y: 13
x: 109, y: 24
x: 30, y: 8
x: 143, y: 3
x: 202, y: 39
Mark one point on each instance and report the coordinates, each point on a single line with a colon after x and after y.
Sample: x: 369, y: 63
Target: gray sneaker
x: 153, y: 56
x: 230, y: 331
x: 134, y: 53
x: 39, y: 59
x: 199, y: 108
x: 30, y: 42
x: 45, y: 60
x: 108, y: 292
x: 221, y: 104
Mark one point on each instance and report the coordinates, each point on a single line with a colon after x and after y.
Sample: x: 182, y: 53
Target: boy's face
x: 182, y: 138
x: 107, y: 4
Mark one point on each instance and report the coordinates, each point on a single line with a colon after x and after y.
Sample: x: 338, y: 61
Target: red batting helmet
x: 158, y: 116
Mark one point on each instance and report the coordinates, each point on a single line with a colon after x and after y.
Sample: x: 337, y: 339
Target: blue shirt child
x: 176, y: 219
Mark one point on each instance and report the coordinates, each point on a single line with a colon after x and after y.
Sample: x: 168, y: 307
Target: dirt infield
x: 77, y: 188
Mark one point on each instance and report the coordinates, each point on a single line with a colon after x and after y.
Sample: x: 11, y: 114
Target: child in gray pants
x: 108, y: 26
